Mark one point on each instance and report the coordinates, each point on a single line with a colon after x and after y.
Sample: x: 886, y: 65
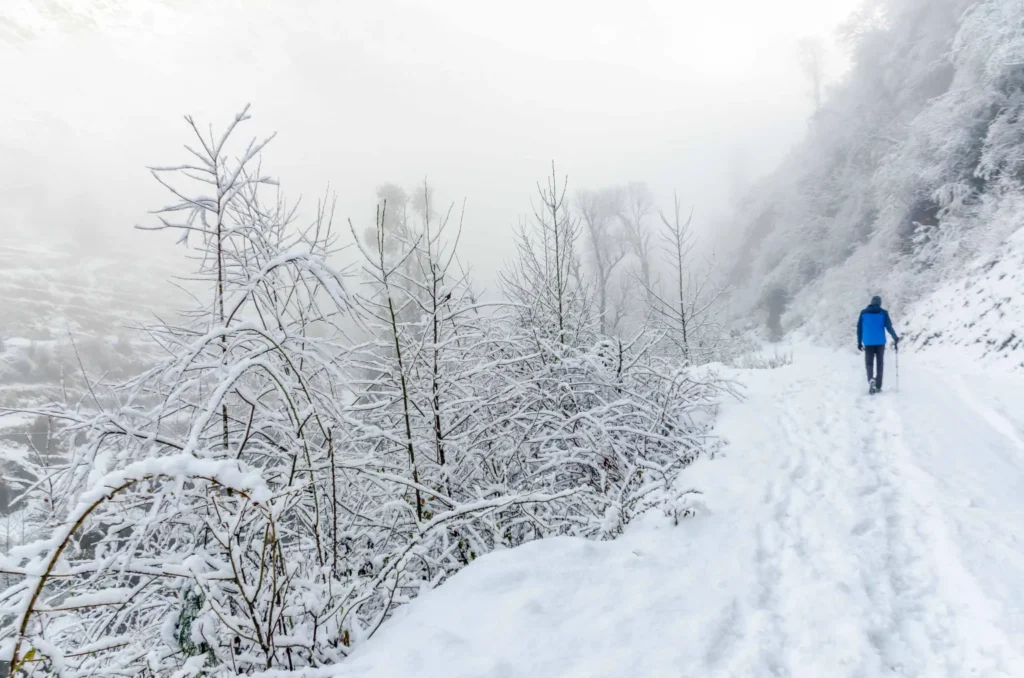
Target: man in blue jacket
x: 871, y: 328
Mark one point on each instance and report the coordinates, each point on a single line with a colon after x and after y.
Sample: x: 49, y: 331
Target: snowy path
x: 892, y: 540
x: 844, y: 536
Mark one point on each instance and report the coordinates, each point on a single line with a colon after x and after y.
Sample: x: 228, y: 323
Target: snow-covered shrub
x: 318, y: 446
x: 680, y: 504
x: 763, y: 361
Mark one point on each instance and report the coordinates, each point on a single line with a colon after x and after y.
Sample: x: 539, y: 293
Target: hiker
x: 871, y: 328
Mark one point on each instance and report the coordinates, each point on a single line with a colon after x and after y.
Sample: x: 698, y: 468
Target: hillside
x: 51, y: 296
x: 976, y: 317
x: 911, y: 177
x: 64, y: 312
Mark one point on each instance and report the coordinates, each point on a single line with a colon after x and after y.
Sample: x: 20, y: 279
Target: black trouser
x: 874, y: 355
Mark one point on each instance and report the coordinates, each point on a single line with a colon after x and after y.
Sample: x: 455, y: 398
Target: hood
x: 876, y: 301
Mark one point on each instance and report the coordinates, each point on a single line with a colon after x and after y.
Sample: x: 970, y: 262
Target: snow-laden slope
x: 979, y: 315
x: 844, y: 535
x: 911, y: 169
x: 51, y: 293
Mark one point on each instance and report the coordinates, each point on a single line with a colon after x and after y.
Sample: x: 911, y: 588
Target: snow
x: 843, y: 535
x: 977, y: 315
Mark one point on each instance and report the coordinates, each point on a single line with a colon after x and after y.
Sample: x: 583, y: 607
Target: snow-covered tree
x: 546, y: 284
x: 601, y: 214
x: 811, y: 52
x: 639, y: 208
x: 684, y: 306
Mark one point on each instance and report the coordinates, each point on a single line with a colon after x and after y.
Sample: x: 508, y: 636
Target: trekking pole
x: 897, y: 367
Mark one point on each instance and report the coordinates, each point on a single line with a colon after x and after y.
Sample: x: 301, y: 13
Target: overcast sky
x: 478, y: 97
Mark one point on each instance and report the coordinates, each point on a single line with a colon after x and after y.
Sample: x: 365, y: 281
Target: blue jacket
x: 873, y: 324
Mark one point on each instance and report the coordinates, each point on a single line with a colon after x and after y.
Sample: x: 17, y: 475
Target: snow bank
x: 976, y: 317
x: 609, y: 605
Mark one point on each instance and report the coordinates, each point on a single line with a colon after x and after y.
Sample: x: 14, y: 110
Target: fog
x: 476, y: 99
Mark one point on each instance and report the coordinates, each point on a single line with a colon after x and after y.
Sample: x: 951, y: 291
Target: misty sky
x: 478, y: 97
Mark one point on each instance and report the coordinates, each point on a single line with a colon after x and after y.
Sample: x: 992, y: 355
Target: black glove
x: 860, y: 346
x: 896, y: 345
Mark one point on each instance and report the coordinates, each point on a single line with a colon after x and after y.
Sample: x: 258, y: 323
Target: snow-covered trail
x: 845, y: 535
x: 891, y: 540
